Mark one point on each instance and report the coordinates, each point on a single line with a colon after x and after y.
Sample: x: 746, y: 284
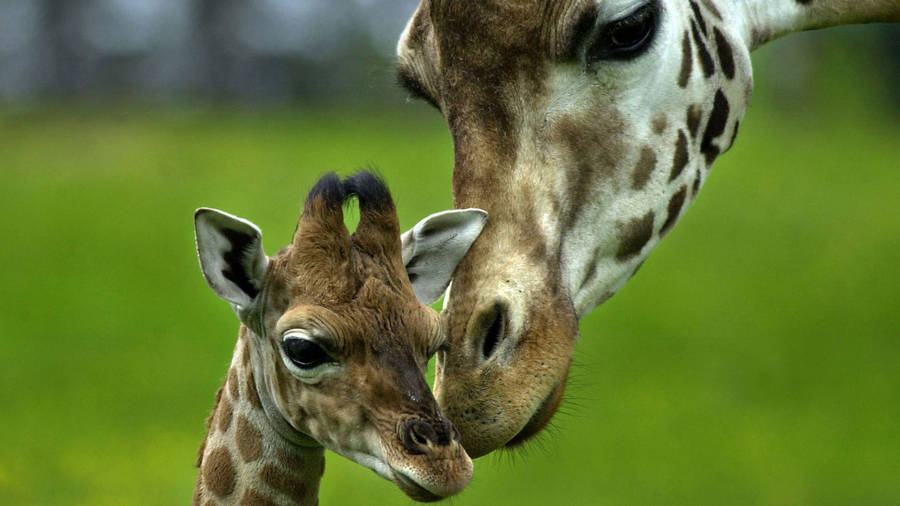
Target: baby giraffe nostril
x: 419, y: 436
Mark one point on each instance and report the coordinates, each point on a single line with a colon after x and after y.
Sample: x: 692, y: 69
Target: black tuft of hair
x: 330, y: 189
x: 370, y: 190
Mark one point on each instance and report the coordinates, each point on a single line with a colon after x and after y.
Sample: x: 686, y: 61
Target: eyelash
x: 604, y: 46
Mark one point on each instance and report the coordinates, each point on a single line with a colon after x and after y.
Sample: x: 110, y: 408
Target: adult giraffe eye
x: 304, y: 353
x: 625, y: 38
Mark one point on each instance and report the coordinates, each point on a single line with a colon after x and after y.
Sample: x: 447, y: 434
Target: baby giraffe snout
x: 428, y: 437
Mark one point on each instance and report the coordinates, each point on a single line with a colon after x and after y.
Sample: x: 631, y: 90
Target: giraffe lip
x: 411, y: 488
x: 540, y: 418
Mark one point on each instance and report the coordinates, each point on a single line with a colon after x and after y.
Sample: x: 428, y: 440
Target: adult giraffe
x: 585, y: 128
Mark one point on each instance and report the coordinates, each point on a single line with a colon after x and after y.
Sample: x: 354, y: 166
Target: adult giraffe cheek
x: 504, y: 372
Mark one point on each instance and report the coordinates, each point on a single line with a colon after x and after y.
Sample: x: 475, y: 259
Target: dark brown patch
x: 284, y: 483
x: 734, y: 133
x: 253, y: 498
x: 233, y: 385
x: 675, y: 205
x: 695, y: 188
x: 644, y: 168
x: 699, y: 17
x: 578, y: 31
x: 706, y: 61
x: 715, y: 127
x: 659, y: 124
x: 596, y: 147
x: 249, y: 439
x: 235, y: 269
x: 224, y: 414
x: 726, y: 56
x: 687, y: 61
x: 291, y: 459
x: 680, y: 159
x: 252, y: 394
x: 804, y: 2
x: 218, y: 473
x: 711, y: 7
x: 693, y: 119
x: 635, y: 235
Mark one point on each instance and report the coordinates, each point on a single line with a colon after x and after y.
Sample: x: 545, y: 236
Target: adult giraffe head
x: 585, y: 128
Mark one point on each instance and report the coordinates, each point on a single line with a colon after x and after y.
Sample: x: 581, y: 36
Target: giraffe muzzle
x: 431, y: 438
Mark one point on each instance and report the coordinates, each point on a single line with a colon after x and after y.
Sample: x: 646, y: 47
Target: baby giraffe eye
x: 304, y: 353
x: 625, y: 38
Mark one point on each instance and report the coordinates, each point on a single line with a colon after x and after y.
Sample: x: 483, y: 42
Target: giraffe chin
x: 540, y: 418
x: 412, y: 489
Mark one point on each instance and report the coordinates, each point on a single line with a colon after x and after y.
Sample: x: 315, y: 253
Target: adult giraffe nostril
x: 494, y: 329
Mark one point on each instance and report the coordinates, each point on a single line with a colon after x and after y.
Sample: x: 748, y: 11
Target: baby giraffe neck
x: 243, y: 460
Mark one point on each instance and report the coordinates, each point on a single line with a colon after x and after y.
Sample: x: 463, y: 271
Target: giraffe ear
x: 231, y: 255
x: 433, y: 248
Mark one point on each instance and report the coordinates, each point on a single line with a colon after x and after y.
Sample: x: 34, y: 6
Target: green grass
x: 754, y: 360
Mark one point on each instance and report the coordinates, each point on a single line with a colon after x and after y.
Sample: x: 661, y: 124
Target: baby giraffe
x: 334, y: 339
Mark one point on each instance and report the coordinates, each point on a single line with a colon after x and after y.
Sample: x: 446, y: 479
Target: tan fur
x: 354, y: 293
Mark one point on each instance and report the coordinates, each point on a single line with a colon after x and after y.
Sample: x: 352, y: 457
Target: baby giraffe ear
x: 231, y: 255
x: 433, y: 248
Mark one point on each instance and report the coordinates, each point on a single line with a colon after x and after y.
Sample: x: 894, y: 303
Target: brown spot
x: 291, y: 459
x: 234, y: 388
x: 687, y: 61
x: 726, y: 57
x: 696, y: 186
x: 218, y: 473
x: 699, y: 17
x: 224, y: 414
x: 734, y: 133
x: 635, y: 235
x: 253, y: 498
x: 715, y: 127
x: 596, y: 147
x: 249, y: 439
x: 659, y: 124
x: 693, y: 119
x: 252, y: 394
x: 284, y: 483
x: 706, y: 60
x: 675, y: 205
x: 644, y: 168
x: 711, y: 7
x: 680, y: 159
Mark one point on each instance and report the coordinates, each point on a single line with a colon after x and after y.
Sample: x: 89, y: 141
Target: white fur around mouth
x: 373, y: 463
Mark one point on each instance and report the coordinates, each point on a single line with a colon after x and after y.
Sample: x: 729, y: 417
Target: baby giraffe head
x: 339, y: 331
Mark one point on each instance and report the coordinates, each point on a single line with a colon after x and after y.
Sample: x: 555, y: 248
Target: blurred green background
x: 754, y: 360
